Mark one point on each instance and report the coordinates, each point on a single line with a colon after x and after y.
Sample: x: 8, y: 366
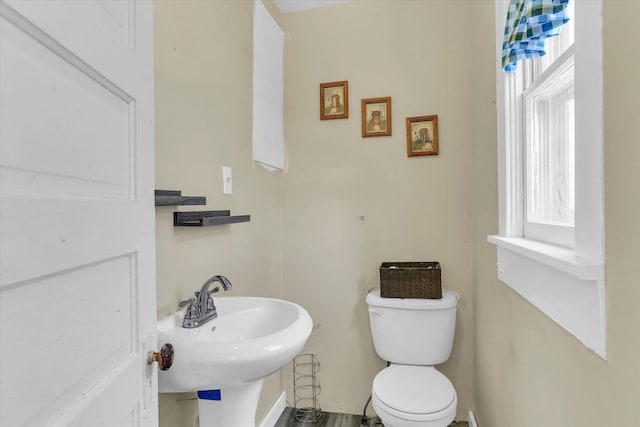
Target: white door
x: 77, y: 255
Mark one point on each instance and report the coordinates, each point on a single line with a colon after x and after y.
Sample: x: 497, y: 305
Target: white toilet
x: 413, y: 335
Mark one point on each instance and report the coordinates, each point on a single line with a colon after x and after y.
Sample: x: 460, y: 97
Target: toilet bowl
x: 413, y: 396
x: 413, y: 335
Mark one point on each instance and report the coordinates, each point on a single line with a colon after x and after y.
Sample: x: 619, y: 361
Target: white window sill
x: 568, y: 289
x: 557, y: 257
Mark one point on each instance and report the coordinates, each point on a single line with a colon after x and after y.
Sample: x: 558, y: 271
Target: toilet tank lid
x: 449, y: 299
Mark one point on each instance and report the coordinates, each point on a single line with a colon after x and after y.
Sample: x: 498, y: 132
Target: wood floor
x: 330, y: 419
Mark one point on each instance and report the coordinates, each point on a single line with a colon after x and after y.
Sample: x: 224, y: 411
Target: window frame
x: 567, y: 284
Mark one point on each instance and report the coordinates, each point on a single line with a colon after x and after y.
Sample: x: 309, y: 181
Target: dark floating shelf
x: 207, y: 218
x: 199, y: 218
x: 175, y: 198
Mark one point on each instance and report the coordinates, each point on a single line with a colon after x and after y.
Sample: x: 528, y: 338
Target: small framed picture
x: 376, y: 117
x: 334, y: 100
x: 422, y: 136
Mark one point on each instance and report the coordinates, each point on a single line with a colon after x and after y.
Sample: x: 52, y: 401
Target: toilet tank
x: 413, y: 331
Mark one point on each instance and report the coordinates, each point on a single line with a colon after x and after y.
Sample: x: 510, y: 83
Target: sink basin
x: 250, y: 339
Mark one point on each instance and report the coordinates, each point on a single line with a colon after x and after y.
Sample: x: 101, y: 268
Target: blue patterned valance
x: 529, y: 23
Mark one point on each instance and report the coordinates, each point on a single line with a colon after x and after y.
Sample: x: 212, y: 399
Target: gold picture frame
x: 334, y: 100
x: 376, y: 117
x: 422, y: 136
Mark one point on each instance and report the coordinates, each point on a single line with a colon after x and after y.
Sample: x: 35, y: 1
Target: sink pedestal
x: 237, y: 406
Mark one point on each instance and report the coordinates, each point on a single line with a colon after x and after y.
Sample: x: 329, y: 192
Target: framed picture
x: 334, y: 100
x: 376, y: 117
x: 422, y: 136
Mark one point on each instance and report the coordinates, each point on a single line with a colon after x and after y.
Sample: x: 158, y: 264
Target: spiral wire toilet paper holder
x: 306, y: 388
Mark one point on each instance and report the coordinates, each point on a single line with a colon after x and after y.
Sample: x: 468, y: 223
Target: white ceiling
x: 294, y: 5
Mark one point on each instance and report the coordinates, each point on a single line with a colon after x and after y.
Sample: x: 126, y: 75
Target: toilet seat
x: 414, y: 393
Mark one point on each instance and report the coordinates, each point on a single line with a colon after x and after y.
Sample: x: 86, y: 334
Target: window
x: 549, y: 140
x: 551, y: 236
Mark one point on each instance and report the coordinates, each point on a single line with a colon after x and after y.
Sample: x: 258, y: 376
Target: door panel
x: 113, y: 27
x: 77, y: 220
x: 70, y: 105
x: 66, y: 310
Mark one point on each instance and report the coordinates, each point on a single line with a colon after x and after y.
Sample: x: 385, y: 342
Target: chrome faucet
x: 201, y: 309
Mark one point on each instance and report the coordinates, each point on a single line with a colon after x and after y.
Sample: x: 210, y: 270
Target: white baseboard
x: 276, y: 410
x: 472, y: 420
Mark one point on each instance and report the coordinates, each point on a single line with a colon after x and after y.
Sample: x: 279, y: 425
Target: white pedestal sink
x: 249, y: 340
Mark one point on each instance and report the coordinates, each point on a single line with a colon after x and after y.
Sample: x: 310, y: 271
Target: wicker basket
x: 410, y: 280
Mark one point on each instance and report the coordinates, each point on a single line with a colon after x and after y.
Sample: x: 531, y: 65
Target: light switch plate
x: 226, y: 180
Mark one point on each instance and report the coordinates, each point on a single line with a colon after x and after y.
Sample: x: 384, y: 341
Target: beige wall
x: 414, y: 209
x: 203, y: 56
x: 529, y: 372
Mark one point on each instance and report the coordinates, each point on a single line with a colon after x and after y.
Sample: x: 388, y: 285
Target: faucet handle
x: 213, y: 291
x: 190, y: 307
x: 186, y: 302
